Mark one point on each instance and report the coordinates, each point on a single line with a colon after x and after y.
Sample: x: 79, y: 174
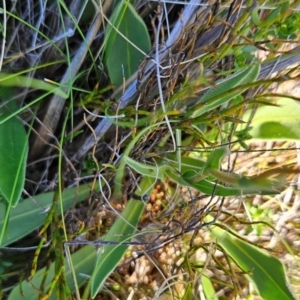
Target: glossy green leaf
x: 29, y: 215
x: 226, y: 89
x: 120, y: 54
x: 265, y: 271
x: 83, y: 263
x: 277, y: 123
x: 273, y: 17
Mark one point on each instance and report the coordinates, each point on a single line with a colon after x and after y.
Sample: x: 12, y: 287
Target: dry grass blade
x: 289, y: 59
x: 56, y: 104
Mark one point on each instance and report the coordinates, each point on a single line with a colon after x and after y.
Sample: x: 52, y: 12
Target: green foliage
x: 207, y: 120
x: 280, y: 122
x: 265, y: 271
x: 122, y: 231
x: 290, y: 26
x: 257, y: 214
x: 14, y: 149
x: 83, y: 263
x: 16, y: 80
x: 27, y: 216
x: 120, y: 54
x: 83, y: 260
x: 279, y: 23
x: 226, y: 89
x: 208, y: 288
x: 201, y: 176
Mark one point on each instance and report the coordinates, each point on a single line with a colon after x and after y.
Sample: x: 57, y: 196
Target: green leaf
x: 7, y: 80
x: 192, y: 176
x: 215, y: 158
x: 208, y: 288
x: 83, y: 263
x: 143, y: 169
x: 290, y: 25
x: 273, y: 16
x: 14, y: 149
x: 255, y: 17
x: 285, y: 6
x: 226, y: 90
x: 276, y: 123
x: 265, y: 271
x: 28, y: 214
x: 188, y: 292
x: 246, y: 185
x: 122, y: 231
x: 84, y: 259
x: 118, y: 51
x: 213, y: 188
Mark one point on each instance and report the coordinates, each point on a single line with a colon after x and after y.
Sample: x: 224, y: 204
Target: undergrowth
x: 129, y: 154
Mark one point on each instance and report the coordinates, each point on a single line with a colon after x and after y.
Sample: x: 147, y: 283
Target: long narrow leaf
x: 265, y: 271
x: 13, y: 149
x: 29, y: 215
x: 221, y: 93
x: 8, y: 80
x: 83, y: 263
x: 13, y: 157
x: 208, y: 288
x: 121, y: 231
